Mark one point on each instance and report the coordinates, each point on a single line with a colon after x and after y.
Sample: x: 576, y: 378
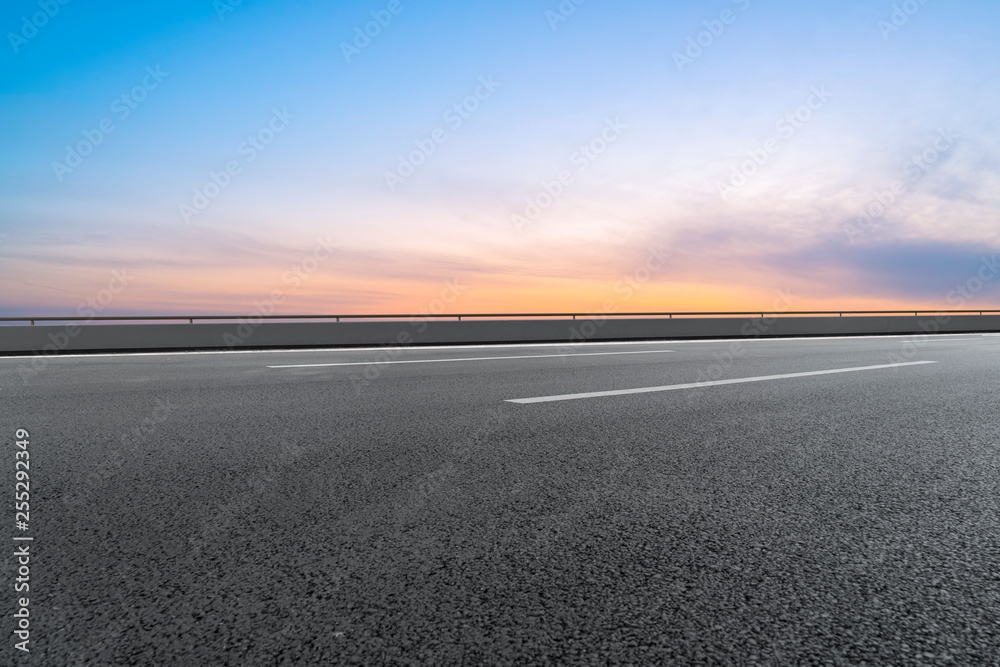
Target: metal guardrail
x: 425, y: 316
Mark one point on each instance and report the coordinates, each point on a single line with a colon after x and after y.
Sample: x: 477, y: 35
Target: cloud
x: 923, y: 271
x: 911, y: 271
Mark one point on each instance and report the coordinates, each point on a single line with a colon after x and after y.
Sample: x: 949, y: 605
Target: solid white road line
x: 434, y: 361
x: 694, y: 385
x: 368, y: 348
x: 935, y: 339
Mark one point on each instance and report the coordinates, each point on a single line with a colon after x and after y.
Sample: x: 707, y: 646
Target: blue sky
x: 889, y: 89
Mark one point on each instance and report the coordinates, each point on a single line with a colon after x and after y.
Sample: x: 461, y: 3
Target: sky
x: 411, y: 156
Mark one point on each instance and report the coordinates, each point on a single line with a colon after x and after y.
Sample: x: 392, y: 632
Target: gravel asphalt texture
x: 204, y: 509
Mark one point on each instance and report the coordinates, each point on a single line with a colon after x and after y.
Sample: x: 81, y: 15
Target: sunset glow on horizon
x: 389, y: 157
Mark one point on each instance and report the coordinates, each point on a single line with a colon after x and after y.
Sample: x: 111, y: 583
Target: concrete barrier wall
x: 123, y: 337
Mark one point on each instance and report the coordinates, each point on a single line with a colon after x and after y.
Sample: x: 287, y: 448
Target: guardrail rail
x: 469, y: 316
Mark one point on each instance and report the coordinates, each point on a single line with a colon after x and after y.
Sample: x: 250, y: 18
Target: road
x: 310, y: 507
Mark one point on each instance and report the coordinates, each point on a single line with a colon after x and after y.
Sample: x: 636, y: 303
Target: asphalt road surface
x: 310, y: 507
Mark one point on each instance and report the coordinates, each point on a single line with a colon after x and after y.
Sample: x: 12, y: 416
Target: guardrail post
x: 459, y: 318
x: 190, y: 320
x: 32, y: 322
